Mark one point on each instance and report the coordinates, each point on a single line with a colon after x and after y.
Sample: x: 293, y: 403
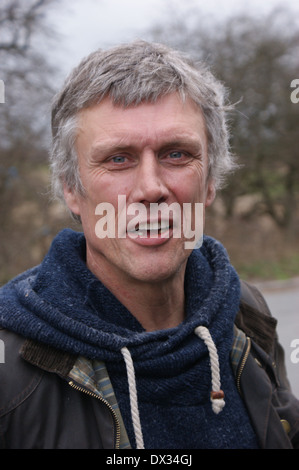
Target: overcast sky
x: 85, y: 25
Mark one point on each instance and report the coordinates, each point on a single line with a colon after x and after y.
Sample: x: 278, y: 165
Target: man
x: 125, y: 336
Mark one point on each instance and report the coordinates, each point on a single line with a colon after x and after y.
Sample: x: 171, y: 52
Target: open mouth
x: 151, y: 229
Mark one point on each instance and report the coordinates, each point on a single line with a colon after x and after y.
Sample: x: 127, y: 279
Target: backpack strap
x: 254, y: 318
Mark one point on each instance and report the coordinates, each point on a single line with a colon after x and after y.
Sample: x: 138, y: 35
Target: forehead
x: 146, y: 124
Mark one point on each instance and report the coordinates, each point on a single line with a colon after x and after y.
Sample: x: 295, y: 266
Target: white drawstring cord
x: 217, y: 394
x: 133, y: 398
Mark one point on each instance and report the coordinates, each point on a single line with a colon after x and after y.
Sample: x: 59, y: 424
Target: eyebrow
x: 103, y: 148
x: 184, y: 142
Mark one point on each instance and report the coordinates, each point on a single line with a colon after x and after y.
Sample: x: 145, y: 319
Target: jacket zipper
x: 242, y: 365
x: 90, y: 393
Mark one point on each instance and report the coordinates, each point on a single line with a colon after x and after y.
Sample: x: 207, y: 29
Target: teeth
x: 153, y: 226
x: 144, y: 227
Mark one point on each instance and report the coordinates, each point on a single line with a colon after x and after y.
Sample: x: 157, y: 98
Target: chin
x: 154, y: 272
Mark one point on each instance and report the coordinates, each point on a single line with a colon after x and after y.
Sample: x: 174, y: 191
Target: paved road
x: 283, y: 300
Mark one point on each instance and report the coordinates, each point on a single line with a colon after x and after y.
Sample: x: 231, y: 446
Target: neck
x: 156, y: 305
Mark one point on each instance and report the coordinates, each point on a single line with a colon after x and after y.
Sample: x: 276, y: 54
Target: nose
x: 150, y: 185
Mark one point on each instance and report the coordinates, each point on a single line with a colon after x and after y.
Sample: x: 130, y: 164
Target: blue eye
x: 119, y: 159
x: 176, y: 155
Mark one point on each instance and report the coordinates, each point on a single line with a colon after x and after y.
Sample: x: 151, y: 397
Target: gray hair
x: 130, y: 74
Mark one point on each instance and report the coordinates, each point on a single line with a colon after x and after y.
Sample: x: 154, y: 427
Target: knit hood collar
x: 63, y: 304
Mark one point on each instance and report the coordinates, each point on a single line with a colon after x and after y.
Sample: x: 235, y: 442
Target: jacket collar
x: 47, y: 357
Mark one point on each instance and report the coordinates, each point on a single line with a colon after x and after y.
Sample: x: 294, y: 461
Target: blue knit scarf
x: 61, y: 303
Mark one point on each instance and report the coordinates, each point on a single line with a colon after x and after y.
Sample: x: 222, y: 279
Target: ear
x: 210, y: 193
x: 72, y: 199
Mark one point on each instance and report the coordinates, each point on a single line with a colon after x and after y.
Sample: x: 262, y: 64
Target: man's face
x: 151, y: 153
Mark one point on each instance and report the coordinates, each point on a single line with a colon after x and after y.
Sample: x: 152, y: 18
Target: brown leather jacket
x: 41, y: 407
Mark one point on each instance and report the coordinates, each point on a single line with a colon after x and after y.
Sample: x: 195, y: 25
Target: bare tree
x: 24, y: 132
x: 19, y: 20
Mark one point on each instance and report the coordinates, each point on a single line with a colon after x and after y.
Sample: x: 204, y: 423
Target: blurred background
x: 252, y: 46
